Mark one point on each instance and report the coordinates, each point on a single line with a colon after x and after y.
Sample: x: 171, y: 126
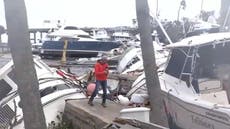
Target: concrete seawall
x: 83, y: 116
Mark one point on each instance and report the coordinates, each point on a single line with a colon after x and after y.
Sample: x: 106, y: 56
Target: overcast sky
x: 102, y: 13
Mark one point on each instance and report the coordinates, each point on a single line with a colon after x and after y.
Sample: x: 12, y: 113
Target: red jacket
x: 100, y: 71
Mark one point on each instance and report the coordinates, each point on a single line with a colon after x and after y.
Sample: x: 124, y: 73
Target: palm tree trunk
x: 157, y: 114
x: 16, y: 19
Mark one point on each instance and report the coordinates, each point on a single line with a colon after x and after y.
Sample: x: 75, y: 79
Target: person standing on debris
x: 101, y: 70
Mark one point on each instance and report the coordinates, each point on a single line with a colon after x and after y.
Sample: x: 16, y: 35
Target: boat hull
x: 186, y: 115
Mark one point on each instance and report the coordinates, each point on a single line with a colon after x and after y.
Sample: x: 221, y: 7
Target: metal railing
x: 6, y: 116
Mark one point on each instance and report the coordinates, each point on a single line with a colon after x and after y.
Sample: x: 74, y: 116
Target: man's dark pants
x: 103, y: 85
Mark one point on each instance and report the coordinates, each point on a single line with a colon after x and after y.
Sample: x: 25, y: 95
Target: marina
x: 167, y: 69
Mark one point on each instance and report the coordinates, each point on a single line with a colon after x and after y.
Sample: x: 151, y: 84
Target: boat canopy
x: 204, y: 60
x: 201, y: 40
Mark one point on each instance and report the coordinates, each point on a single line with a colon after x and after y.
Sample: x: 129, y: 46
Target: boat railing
x: 185, y: 63
x: 6, y: 116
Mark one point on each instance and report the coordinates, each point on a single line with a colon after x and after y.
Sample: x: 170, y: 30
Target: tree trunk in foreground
x: 19, y: 42
x: 157, y: 114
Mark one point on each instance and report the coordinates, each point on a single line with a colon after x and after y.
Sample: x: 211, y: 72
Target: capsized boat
x: 196, y: 83
x: 54, y: 90
x: 131, y: 60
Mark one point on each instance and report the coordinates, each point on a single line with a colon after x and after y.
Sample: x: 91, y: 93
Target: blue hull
x: 77, y: 48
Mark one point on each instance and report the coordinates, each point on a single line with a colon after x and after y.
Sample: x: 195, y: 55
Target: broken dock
x: 83, y: 116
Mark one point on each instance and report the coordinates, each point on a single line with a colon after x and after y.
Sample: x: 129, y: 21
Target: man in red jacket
x: 101, y: 69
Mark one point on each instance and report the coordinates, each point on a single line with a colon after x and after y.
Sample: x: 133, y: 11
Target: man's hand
x: 106, y: 71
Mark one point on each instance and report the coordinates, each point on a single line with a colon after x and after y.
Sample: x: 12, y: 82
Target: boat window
x: 5, y: 88
x: 214, y: 62
x: 177, y: 62
x: 53, y: 89
x: 6, y: 116
x: 69, y: 39
x: 84, y: 36
x: 47, y: 91
x: 12, y: 75
x: 70, y: 28
x: 133, y: 61
x: 212, y: 67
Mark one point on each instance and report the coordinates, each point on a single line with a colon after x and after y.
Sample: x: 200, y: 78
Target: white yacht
x: 53, y: 91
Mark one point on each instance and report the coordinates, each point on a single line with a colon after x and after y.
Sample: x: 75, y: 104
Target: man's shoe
x: 104, y: 105
x: 90, y: 103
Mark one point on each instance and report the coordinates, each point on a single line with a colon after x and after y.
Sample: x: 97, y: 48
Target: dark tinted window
x: 70, y: 28
x: 176, y: 63
x: 214, y: 61
x: 53, y: 89
x: 5, y: 88
x: 12, y: 76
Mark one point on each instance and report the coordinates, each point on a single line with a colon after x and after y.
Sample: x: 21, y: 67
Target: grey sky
x: 102, y: 13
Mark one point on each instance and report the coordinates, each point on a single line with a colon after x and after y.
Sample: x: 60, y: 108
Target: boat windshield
x: 5, y: 88
x: 52, y: 89
x: 213, y: 62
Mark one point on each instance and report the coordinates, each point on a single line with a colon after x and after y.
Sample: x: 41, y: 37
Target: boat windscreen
x: 53, y: 89
x: 213, y: 61
x: 178, y: 64
x: 5, y: 88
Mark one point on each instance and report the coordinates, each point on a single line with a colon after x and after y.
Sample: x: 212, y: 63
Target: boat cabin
x: 203, y: 62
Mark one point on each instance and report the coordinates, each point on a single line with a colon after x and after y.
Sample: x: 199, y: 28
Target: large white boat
x: 54, y: 90
x: 196, y: 83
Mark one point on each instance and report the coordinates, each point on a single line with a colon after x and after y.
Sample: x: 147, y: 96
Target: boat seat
x: 207, y: 85
x: 219, y: 97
